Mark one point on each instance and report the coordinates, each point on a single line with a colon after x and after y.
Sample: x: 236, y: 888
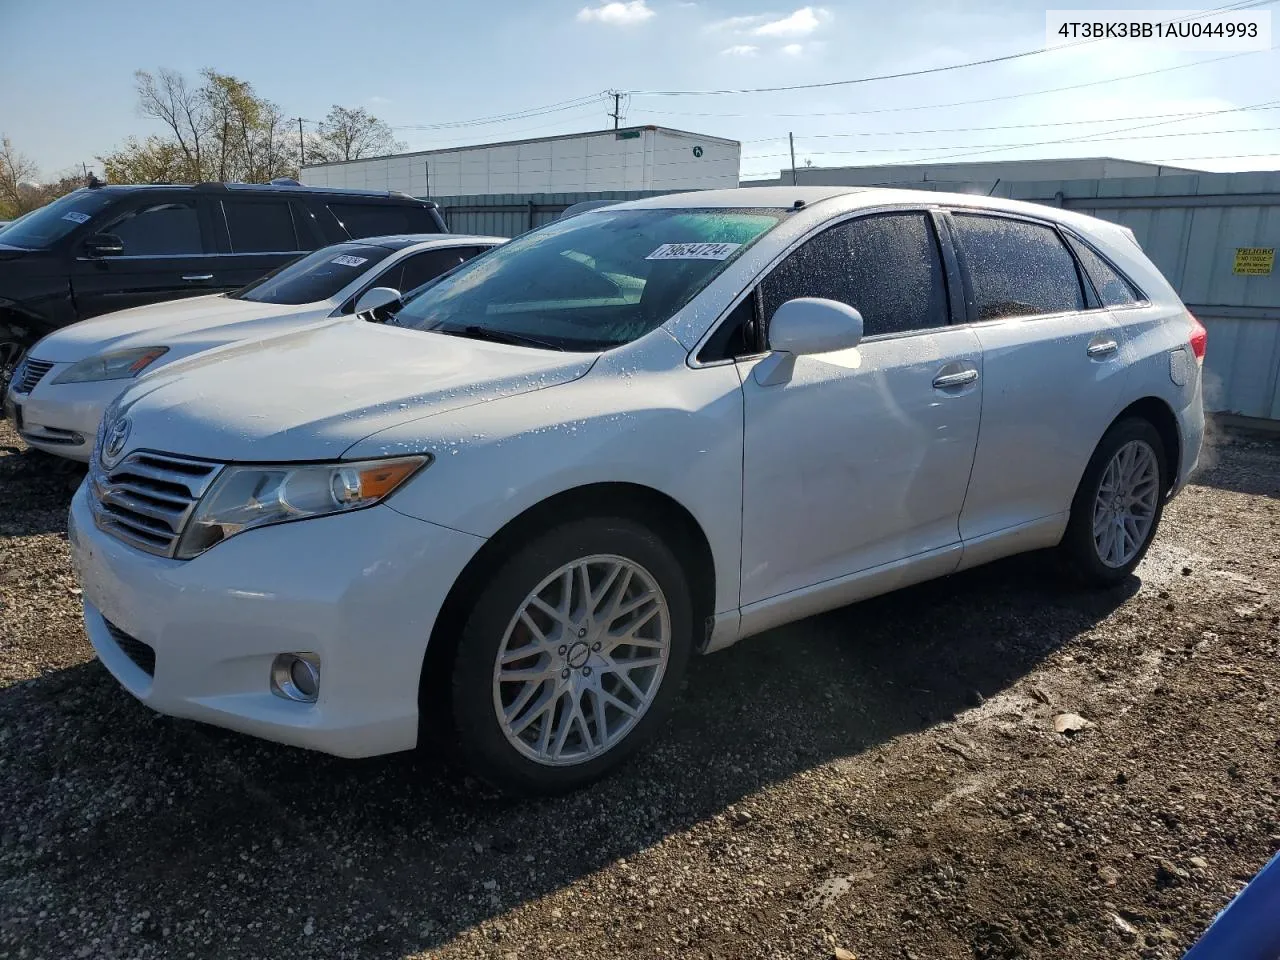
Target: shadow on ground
x: 43, y: 484
x: 240, y: 839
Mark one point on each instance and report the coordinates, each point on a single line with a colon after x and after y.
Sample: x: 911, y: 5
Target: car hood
x: 311, y: 394
x: 184, y: 326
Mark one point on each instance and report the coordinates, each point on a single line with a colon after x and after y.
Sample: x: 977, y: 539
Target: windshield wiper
x: 498, y: 336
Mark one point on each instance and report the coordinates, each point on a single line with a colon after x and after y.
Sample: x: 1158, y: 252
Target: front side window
x: 167, y: 229
x: 592, y: 282
x: 317, y: 276
x: 260, y: 226
x: 885, y: 266
x: 1016, y: 268
x: 1113, y: 289
x: 418, y: 269
x: 40, y: 228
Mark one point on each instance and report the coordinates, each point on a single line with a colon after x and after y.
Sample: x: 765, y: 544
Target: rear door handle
x: 196, y: 277
x: 1102, y: 348
x: 957, y: 379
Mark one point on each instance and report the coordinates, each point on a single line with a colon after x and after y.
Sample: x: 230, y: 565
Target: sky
x: 431, y: 68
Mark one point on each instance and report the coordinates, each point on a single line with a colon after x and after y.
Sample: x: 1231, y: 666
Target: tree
x: 218, y: 130
x: 16, y: 168
x: 347, y: 134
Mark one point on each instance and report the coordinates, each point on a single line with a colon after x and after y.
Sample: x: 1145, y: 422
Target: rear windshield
x: 594, y: 281
x: 317, y: 276
x: 40, y: 228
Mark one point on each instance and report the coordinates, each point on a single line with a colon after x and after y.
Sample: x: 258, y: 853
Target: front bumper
x: 361, y: 590
x: 63, y: 418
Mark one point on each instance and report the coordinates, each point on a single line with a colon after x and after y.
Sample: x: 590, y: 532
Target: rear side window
x: 1016, y: 268
x: 171, y: 228
x: 885, y: 266
x: 382, y: 219
x: 1113, y: 289
x: 260, y: 226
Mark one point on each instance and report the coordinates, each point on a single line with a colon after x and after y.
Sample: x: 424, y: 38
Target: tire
x: 13, y: 347
x: 1081, y: 551
x: 581, y: 669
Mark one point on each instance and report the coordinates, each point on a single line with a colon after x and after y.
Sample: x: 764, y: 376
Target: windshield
x: 317, y: 276
x: 40, y: 228
x: 595, y: 281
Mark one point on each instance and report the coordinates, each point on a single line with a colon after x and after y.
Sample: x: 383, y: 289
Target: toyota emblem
x: 116, y: 438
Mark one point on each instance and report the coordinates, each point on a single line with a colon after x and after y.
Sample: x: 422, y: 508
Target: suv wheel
x: 1118, y: 505
x: 571, y: 656
x: 12, y: 350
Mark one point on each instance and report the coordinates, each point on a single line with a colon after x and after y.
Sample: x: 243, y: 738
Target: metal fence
x: 509, y: 214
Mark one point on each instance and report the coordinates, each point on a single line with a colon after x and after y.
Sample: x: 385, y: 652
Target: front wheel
x: 12, y: 350
x: 571, y: 656
x: 1117, y: 508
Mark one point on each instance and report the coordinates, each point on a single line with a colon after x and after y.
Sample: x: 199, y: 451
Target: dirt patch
x: 886, y: 779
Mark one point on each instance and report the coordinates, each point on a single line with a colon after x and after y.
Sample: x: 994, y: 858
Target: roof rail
x: 211, y: 185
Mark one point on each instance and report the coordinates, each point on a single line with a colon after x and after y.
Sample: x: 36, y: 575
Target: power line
x: 928, y: 71
x: 507, y: 117
x: 1009, y: 126
x: 1012, y: 146
x: 966, y: 103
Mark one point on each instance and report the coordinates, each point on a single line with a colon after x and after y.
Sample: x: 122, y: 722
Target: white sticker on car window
x: 75, y: 217
x: 694, y: 251
x: 349, y: 261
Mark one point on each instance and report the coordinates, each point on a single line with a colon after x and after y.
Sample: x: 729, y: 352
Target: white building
x: 971, y: 172
x: 632, y: 158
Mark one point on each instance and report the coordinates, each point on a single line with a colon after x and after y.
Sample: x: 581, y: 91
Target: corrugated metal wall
x: 509, y: 214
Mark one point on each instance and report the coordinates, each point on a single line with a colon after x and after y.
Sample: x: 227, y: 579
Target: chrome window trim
x: 925, y: 208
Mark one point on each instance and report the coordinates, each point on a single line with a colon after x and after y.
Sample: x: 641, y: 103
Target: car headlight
x: 244, y: 497
x: 116, y: 365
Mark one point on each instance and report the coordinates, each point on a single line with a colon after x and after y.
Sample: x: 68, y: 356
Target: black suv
x: 105, y: 248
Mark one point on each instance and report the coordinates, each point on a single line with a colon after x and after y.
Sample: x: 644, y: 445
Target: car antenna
x: 798, y: 205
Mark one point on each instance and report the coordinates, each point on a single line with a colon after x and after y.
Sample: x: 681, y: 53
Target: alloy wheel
x: 1125, y: 507
x: 582, y: 660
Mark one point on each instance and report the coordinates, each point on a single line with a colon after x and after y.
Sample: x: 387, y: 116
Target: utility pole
x: 791, y: 137
x: 617, y: 110
x: 302, y: 150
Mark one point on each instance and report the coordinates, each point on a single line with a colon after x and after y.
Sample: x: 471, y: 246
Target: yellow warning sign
x: 1255, y: 261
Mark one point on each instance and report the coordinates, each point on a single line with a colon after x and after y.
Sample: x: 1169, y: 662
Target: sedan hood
x: 311, y: 394
x: 184, y: 326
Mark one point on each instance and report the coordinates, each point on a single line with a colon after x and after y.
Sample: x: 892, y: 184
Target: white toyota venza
x: 61, y: 388
x: 512, y: 512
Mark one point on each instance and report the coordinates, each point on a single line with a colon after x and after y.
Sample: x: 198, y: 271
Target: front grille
x: 29, y: 373
x: 143, y: 656
x: 146, y: 498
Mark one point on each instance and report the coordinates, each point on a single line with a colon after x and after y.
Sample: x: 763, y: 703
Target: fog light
x: 296, y: 676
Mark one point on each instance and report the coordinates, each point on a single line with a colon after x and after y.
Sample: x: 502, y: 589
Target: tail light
x: 1199, y: 338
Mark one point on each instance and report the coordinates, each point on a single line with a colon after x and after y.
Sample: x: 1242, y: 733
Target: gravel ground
x: 886, y: 780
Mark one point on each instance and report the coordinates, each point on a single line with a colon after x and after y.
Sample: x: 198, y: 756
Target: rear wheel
x: 1117, y: 508
x: 571, y: 656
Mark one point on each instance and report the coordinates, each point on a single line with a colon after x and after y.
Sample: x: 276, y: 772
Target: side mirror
x: 806, y: 325
x: 376, y: 297
x: 103, y: 245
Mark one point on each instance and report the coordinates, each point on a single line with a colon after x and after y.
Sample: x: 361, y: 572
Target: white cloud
x: 617, y: 14
x: 740, y: 50
x: 799, y: 24
x: 378, y: 101
x: 737, y: 23
x: 793, y: 49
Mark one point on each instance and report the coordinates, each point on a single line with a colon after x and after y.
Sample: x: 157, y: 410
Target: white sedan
x: 59, y: 391
x: 514, y: 511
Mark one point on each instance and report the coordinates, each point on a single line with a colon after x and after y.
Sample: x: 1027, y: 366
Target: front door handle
x: 958, y: 379
x: 197, y: 277
x: 1102, y: 348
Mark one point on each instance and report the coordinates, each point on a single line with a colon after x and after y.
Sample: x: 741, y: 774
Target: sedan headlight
x: 244, y: 497
x: 116, y: 365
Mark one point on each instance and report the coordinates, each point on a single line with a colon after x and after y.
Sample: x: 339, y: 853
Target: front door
x: 167, y: 254
x: 862, y: 458
x: 1052, y: 365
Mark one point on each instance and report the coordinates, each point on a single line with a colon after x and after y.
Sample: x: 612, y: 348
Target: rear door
x: 258, y: 234
x: 1051, y: 362
x: 169, y: 252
